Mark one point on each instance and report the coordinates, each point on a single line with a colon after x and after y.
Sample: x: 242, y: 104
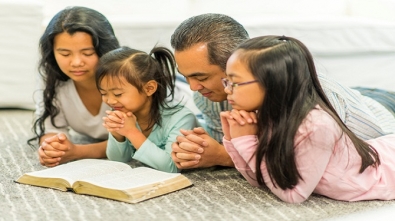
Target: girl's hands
x: 240, y: 123
x: 120, y: 124
x: 55, y: 150
x: 114, y: 121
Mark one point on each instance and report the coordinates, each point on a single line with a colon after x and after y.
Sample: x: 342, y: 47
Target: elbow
x: 294, y: 199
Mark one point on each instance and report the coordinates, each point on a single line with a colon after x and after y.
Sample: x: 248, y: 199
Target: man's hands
x: 197, y: 149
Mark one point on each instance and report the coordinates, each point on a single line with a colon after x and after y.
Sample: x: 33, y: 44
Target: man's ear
x: 150, y: 87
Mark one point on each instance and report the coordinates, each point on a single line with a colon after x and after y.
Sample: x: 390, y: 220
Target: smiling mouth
x: 206, y: 94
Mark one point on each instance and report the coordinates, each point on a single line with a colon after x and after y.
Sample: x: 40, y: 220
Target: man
x: 202, y: 46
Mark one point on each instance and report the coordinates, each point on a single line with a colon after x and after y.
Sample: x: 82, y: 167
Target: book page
x: 128, y: 179
x: 81, y: 169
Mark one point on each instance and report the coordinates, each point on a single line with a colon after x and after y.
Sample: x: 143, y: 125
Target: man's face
x: 194, y: 65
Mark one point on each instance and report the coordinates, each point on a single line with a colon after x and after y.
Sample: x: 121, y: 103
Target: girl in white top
x: 70, y: 47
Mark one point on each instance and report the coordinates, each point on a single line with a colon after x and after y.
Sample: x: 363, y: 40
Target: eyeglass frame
x: 230, y: 85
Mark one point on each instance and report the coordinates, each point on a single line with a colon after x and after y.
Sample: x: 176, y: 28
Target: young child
x: 296, y: 144
x: 143, y: 124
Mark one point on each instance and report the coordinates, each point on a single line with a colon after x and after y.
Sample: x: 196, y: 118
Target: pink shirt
x: 327, y: 161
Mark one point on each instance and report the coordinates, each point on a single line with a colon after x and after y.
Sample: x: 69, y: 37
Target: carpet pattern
x: 217, y: 193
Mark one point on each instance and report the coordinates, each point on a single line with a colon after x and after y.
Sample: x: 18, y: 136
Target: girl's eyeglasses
x: 229, y: 85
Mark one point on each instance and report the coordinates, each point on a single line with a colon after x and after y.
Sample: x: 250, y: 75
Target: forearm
x: 93, y: 150
x: 119, y: 151
x: 153, y: 156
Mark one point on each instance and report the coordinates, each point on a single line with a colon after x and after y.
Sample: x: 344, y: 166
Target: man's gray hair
x: 221, y: 33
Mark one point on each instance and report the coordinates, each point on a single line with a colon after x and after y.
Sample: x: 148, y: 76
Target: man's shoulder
x: 206, y: 105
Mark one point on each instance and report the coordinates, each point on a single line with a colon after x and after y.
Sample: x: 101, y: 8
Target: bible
x: 107, y: 179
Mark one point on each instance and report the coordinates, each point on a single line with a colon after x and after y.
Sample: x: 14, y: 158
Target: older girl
x: 70, y: 110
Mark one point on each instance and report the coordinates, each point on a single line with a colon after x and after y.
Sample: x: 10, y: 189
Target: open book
x: 107, y: 179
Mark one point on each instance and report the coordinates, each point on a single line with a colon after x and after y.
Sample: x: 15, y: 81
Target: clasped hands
x: 237, y: 123
x: 55, y: 149
x: 196, y: 148
x: 119, y: 123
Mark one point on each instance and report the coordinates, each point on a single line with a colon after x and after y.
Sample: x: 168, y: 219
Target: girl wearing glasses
x: 297, y: 144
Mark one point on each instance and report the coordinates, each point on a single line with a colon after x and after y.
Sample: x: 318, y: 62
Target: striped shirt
x: 364, y: 116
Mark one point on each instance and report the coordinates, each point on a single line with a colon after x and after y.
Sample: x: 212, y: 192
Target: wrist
x: 225, y: 158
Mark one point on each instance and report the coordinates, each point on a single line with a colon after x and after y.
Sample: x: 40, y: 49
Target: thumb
x: 62, y: 137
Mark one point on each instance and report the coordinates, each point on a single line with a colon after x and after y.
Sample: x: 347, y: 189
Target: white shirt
x: 74, y: 115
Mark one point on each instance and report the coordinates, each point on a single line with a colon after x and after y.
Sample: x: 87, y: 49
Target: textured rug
x: 217, y: 194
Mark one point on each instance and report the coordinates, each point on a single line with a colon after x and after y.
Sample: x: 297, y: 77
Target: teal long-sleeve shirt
x: 156, y: 149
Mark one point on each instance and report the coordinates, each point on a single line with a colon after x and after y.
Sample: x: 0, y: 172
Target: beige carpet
x: 217, y: 194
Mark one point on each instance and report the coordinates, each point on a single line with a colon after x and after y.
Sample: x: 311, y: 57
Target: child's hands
x: 240, y: 123
x: 114, y: 121
x: 129, y: 125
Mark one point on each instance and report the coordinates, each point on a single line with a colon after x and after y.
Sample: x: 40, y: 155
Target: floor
x: 386, y: 213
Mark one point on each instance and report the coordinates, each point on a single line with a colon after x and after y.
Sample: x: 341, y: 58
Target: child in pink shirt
x: 296, y: 144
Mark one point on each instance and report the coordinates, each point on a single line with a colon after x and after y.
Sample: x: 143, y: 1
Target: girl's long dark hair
x: 138, y: 67
x: 70, y: 20
x: 285, y: 69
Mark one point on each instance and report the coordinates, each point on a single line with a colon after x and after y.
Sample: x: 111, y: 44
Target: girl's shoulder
x: 318, y: 118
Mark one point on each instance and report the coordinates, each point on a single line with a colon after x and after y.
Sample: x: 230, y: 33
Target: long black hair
x: 285, y: 69
x: 138, y: 67
x: 70, y: 20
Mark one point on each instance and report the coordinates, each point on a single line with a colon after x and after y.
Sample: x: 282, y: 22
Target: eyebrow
x: 112, y: 89
x: 231, y: 75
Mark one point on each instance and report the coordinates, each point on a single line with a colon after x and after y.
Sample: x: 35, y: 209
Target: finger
x: 45, y: 160
x: 120, y: 115
x: 187, y: 156
x: 54, y: 147
x: 237, y: 117
x: 246, y: 116
x: 199, y: 130
x: 113, y: 125
x: 193, y: 139
x: 186, y: 132
x: 52, y: 153
x: 181, y: 164
x: 54, y: 138
x: 114, y: 116
x: 62, y: 137
x: 185, y: 147
x: 188, y: 164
